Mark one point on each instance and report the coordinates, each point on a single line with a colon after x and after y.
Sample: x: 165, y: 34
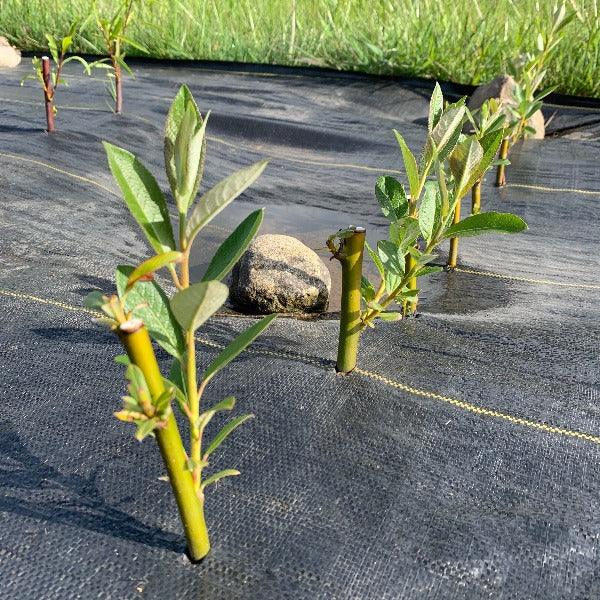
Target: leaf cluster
x: 421, y: 218
x: 529, y: 71
x: 172, y: 322
x: 59, y: 49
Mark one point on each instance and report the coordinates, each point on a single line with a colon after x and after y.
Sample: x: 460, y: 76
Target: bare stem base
x: 350, y: 323
x: 503, y: 155
x: 191, y: 509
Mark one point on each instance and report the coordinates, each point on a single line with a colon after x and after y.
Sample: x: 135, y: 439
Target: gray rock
x: 9, y: 57
x: 278, y: 273
x: 502, y: 88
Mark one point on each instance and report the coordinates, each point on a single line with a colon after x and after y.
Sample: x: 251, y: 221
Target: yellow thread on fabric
x: 480, y: 410
x: 58, y: 170
x: 587, y: 286
x: 542, y: 188
x: 473, y: 408
x: 64, y: 305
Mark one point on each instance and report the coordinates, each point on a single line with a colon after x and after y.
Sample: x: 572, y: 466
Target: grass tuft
x: 429, y: 38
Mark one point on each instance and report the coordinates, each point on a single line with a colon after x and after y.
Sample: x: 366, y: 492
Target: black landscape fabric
x: 460, y: 461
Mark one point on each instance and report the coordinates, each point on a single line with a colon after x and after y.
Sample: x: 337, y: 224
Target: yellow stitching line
x: 219, y: 228
x: 87, y: 180
x: 588, y: 286
x: 313, y: 162
x: 478, y: 410
x: 64, y: 305
x: 469, y: 271
x: 542, y: 188
x: 58, y: 170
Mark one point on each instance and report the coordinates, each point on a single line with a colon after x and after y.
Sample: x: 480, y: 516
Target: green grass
x: 467, y: 41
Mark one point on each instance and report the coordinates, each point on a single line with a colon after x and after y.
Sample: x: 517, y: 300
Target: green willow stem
x: 134, y: 337
x: 501, y: 173
x: 476, y: 198
x: 351, y: 259
x: 453, y: 254
x: 410, y: 307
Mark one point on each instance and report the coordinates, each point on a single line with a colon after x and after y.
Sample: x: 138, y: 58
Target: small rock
x: 9, y: 57
x: 279, y: 273
x: 503, y: 88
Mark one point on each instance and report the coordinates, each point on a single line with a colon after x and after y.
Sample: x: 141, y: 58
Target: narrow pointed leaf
x: 214, y: 478
x: 446, y: 133
x: 225, y: 432
x: 142, y: 196
x: 239, y: 344
x: 390, y: 316
x: 486, y: 223
x: 375, y: 258
x: 410, y: 166
x: 464, y: 161
x: 231, y: 250
x: 427, y: 210
x: 436, y: 107
x: 153, y: 264
x: 182, y: 100
x: 226, y: 404
x: 220, y: 196
x: 196, y: 304
x: 428, y: 270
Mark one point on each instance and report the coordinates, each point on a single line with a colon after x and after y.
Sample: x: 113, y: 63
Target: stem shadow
x: 34, y: 489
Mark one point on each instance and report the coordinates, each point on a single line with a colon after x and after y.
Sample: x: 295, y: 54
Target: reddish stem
x: 48, y: 93
x: 118, y: 89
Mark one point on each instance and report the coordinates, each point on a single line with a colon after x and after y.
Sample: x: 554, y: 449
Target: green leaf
x: 95, y: 300
x: 205, y: 418
x: 214, y: 478
x: 393, y: 262
x: 66, y: 44
x: 122, y: 359
x: 486, y: 222
x: 193, y: 306
x: 226, y: 404
x: 224, y: 433
x: 220, y: 196
x: 428, y: 270
x: 405, y: 232
x: 390, y: 316
x: 490, y: 143
x: 391, y: 197
x: 52, y: 47
x: 138, y: 385
x: 176, y: 393
x: 446, y: 133
x: 464, y: 161
x: 375, y: 258
x: 231, y: 250
x: 436, y: 107
x: 427, y: 210
x: 149, y: 303
x: 146, y: 428
x: 189, y: 153
x: 410, y: 166
x: 238, y: 345
x: 181, y: 102
x: 367, y: 291
x: 176, y: 375
x: 153, y: 264
x: 142, y: 196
